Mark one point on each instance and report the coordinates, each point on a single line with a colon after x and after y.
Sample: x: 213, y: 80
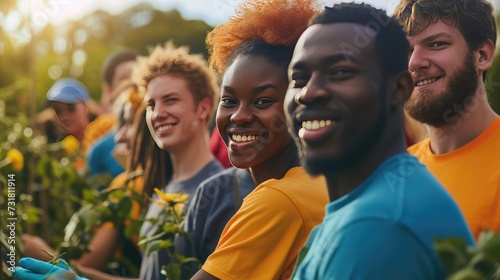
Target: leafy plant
x: 470, y: 263
x: 110, y: 205
x: 169, y: 224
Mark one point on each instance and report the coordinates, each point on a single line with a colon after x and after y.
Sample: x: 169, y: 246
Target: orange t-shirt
x: 472, y: 176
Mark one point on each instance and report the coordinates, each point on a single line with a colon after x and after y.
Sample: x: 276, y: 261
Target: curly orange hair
x: 276, y: 22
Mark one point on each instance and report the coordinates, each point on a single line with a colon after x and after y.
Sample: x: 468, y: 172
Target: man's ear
x: 484, y: 55
x: 205, y: 108
x: 401, y: 86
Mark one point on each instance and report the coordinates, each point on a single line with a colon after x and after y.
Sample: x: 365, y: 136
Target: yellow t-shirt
x: 264, y: 237
x: 472, y: 176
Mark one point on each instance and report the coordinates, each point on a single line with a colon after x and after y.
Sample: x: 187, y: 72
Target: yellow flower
x: 179, y: 208
x: 70, y: 145
x: 172, y: 197
x: 16, y: 159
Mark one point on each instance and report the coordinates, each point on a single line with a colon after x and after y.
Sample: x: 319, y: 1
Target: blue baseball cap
x: 68, y: 90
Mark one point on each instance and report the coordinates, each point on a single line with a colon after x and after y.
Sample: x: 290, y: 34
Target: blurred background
x: 44, y: 40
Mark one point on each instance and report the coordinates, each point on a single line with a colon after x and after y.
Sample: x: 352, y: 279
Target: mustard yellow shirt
x: 264, y: 237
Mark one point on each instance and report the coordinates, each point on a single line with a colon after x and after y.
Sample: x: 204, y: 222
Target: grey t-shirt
x: 215, y: 202
x: 152, y: 263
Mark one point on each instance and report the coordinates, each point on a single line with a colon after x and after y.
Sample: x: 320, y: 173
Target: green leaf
x: 170, y: 228
x: 491, y: 248
x: 90, y: 216
x: 153, y: 246
x: 481, y: 263
x: 142, y: 242
x: 452, y: 252
x: 125, y: 206
x: 165, y: 244
x: 467, y: 274
x: 33, y: 215
x: 172, y: 271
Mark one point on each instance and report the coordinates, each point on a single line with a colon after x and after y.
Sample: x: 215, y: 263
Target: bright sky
x: 212, y: 11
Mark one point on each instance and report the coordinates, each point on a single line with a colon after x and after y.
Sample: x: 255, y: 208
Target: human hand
x: 32, y: 269
x: 33, y: 245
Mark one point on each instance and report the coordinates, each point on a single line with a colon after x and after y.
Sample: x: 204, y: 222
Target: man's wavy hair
x: 390, y: 39
x: 474, y: 18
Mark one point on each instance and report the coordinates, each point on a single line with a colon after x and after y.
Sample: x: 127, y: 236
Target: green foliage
x: 52, y: 49
x: 167, y: 226
x: 50, y: 188
x: 465, y: 263
x: 113, y: 205
x: 493, y: 84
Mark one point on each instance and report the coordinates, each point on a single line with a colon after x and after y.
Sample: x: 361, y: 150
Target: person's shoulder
x: 102, y: 144
x: 420, y: 148
x: 103, y: 123
x: 217, y: 180
x: 386, y: 193
x: 212, y: 168
x: 495, y: 130
x: 296, y: 177
x: 297, y: 185
x: 307, y: 194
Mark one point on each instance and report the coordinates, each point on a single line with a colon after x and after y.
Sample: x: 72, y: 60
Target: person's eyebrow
x: 262, y: 88
x: 335, y: 58
x: 228, y: 89
x: 436, y: 36
x: 255, y: 90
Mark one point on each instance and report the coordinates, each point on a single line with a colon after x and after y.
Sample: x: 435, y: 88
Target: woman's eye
x: 225, y: 101
x: 264, y: 102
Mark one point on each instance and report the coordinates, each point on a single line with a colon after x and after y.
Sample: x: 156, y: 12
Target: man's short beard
x: 439, y: 109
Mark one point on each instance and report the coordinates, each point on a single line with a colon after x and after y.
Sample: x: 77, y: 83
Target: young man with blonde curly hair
x: 180, y: 95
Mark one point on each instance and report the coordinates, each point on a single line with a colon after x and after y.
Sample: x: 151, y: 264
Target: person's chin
x: 316, y: 167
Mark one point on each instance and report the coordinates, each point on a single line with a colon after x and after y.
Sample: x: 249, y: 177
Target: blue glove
x: 32, y: 269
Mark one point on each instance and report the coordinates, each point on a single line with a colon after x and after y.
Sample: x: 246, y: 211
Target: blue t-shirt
x: 385, y: 228
x: 100, y: 158
x: 152, y: 263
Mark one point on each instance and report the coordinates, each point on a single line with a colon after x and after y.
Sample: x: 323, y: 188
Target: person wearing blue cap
x: 68, y: 97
